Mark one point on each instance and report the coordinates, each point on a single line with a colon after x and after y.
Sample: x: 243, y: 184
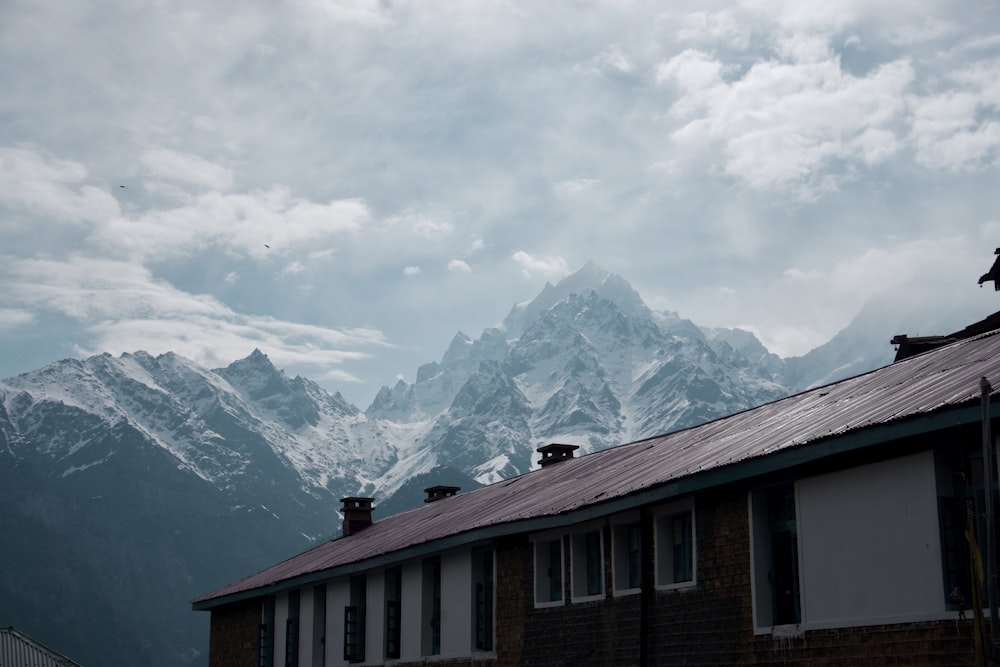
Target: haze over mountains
x: 133, y: 484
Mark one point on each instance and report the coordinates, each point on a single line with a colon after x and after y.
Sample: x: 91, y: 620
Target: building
x: 19, y: 650
x: 824, y: 528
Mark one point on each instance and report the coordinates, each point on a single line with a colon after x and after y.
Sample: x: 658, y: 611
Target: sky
x: 346, y: 184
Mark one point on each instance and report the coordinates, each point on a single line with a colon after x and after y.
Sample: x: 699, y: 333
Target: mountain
x: 133, y: 483
x: 136, y: 483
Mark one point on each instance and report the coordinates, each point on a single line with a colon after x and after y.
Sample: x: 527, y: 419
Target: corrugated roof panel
x: 922, y: 384
x: 17, y: 650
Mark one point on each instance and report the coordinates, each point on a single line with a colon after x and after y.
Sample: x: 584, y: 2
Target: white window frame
x: 664, y: 542
x: 760, y: 560
x: 621, y: 526
x: 540, y: 560
x: 578, y: 562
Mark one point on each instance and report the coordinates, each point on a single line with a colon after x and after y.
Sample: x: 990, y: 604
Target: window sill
x: 552, y: 603
x: 789, y: 631
x: 679, y: 586
x: 588, y: 598
x: 625, y: 592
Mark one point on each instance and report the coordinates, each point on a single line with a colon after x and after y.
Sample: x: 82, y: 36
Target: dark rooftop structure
x: 17, y: 650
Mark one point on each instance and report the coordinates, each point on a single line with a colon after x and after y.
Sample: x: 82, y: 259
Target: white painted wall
x: 410, y: 610
x: 375, y: 619
x: 869, y: 544
x: 338, y: 596
x: 317, y: 629
x: 456, y: 604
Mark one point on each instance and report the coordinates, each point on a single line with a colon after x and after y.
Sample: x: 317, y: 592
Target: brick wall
x: 514, y: 598
x: 233, y: 641
x: 710, y: 624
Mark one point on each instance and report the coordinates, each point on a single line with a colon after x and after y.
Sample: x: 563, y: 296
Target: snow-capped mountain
x: 586, y: 363
x: 139, y: 482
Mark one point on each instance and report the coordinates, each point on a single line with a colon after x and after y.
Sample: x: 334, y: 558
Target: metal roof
x: 843, y: 414
x: 17, y: 649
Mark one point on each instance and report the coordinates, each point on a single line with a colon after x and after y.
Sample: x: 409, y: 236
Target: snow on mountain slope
x: 201, y: 418
x: 585, y: 362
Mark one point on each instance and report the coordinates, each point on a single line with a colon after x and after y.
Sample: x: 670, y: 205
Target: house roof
x: 937, y: 389
x: 16, y: 648
x: 907, y: 346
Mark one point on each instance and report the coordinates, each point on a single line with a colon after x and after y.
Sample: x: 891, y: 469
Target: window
x: 548, y: 572
x: 431, y: 633
x: 265, y: 635
x: 354, y: 620
x: 265, y: 639
x: 627, y: 545
x: 776, y: 560
x: 292, y: 631
x: 482, y: 581
x: 588, y: 565
x: 675, y: 547
x: 961, y: 515
x: 393, y: 611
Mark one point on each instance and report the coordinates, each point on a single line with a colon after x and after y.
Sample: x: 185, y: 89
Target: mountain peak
x: 256, y: 374
x: 588, y: 278
x: 257, y: 356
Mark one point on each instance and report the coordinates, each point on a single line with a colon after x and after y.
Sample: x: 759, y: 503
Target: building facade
x: 836, y: 526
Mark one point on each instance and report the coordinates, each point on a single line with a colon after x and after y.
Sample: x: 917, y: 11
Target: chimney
x: 357, y: 514
x: 440, y: 492
x: 555, y: 453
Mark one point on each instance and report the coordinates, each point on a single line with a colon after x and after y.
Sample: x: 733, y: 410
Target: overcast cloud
x: 345, y: 184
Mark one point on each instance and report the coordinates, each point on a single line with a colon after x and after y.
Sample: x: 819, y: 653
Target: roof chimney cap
x: 555, y: 452
x: 440, y: 492
x: 357, y: 513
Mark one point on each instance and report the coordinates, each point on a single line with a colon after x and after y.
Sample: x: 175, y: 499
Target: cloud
x: 187, y: 168
x: 910, y: 34
x: 685, y: 147
x: 243, y: 223
x: 714, y: 28
x: 612, y: 59
x: 958, y: 128
x: 575, y: 186
x: 13, y: 318
x: 933, y: 270
x: 48, y: 186
x: 422, y: 225
x: 122, y: 307
x: 550, y: 267
x: 365, y: 13
x: 884, y: 268
x: 458, y: 266
x: 789, y: 123
x: 293, y: 269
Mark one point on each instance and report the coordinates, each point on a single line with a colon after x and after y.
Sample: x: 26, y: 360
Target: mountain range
x: 131, y: 484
